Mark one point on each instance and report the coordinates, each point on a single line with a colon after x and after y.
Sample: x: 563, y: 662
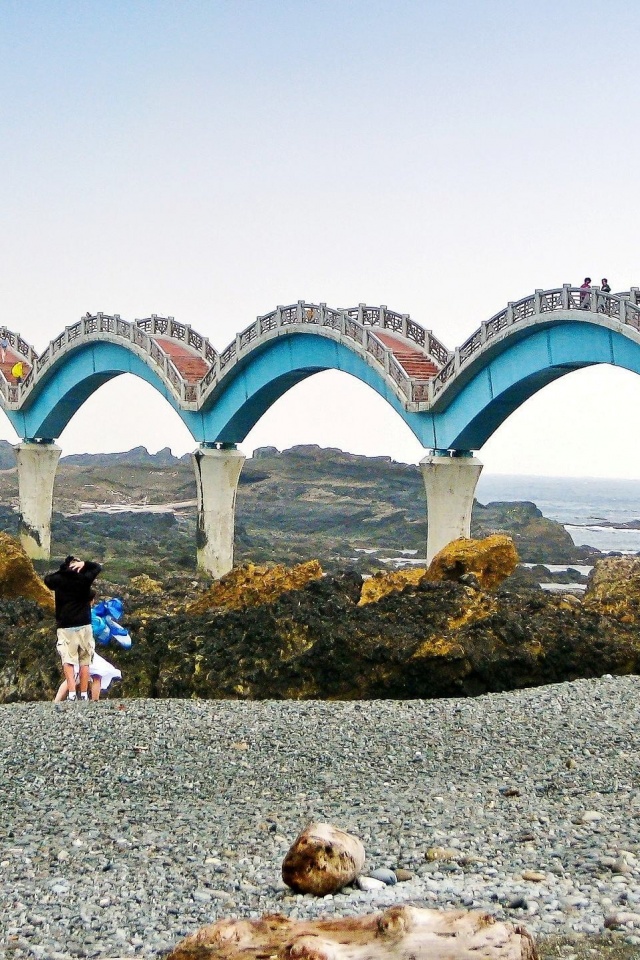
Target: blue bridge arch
x: 524, y: 367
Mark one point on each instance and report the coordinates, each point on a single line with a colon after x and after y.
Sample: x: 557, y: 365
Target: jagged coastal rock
x: 488, y: 561
x: 251, y: 585
x: 18, y: 577
x: 613, y: 588
x: 482, y: 563
x: 426, y: 639
x: 392, y: 581
x: 536, y: 538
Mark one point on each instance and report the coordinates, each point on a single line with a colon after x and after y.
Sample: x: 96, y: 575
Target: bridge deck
x: 414, y: 363
x: 11, y: 358
x: 191, y: 366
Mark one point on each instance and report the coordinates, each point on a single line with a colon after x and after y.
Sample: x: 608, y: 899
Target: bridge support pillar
x: 37, y: 463
x: 217, y: 473
x: 450, y: 483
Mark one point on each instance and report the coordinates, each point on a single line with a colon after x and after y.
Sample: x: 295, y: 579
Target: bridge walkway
x: 189, y: 364
x: 11, y: 358
x: 414, y: 362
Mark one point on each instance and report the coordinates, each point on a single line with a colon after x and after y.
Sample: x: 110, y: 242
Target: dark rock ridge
x: 430, y: 640
x: 135, y: 457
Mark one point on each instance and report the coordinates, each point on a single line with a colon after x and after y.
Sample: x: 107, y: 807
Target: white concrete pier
x: 217, y: 473
x: 37, y: 463
x: 450, y: 485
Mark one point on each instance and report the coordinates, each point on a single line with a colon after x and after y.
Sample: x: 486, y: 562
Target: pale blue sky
x: 210, y: 160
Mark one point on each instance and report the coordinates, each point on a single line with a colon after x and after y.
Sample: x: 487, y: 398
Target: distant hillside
x: 139, y: 456
x: 7, y: 456
x: 345, y: 510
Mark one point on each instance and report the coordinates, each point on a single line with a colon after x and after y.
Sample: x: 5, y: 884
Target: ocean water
x: 584, y: 505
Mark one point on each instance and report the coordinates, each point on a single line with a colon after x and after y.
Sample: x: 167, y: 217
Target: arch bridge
x: 452, y: 400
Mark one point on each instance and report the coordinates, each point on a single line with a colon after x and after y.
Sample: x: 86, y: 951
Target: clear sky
x: 210, y: 160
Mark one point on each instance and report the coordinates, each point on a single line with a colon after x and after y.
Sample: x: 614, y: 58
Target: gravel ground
x: 126, y: 824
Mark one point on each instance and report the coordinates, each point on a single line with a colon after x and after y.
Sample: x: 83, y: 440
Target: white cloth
x: 103, y: 669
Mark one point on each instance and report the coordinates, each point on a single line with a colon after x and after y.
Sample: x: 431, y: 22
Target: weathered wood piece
x: 322, y: 860
x: 401, y: 933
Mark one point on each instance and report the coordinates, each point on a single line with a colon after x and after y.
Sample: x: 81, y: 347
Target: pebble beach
x: 127, y: 824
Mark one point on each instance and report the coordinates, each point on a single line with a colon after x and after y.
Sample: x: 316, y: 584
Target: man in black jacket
x: 71, y: 585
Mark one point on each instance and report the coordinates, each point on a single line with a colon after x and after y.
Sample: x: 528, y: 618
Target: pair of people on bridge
x: 585, y: 296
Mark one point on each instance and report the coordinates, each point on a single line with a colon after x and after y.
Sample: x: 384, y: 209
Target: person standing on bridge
x: 4, y: 344
x: 71, y: 585
x: 585, y: 296
x: 605, y: 288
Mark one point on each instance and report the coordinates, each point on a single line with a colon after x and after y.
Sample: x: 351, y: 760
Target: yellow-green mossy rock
x: 252, y: 586
x: 491, y: 560
x: 613, y: 589
x: 145, y: 584
x: 383, y: 583
x: 17, y: 575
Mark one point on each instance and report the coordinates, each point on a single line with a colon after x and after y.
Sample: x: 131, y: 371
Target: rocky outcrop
x: 490, y: 561
x: 427, y: 639
x: 483, y: 563
x: 145, y: 584
x: 381, y: 584
x: 251, y: 585
x: 536, y: 538
x: 29, y: 664
x: 18, y: 577
x: 613, y: 589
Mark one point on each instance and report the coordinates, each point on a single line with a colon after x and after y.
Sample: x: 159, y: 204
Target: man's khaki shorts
x: 76, y: 645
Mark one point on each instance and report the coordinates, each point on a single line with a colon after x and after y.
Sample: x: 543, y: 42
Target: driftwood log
x: 322, y: 860
x: 402, y: 933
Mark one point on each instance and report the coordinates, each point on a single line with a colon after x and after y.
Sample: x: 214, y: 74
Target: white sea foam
x: 583, y: 568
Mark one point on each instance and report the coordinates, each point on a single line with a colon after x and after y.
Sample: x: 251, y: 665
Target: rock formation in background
x: 316, y: 640
x: 613, y: 589
x: 344, y: 510
x: 490, y: 561
x: 18, y: 577
x: 250, y: 586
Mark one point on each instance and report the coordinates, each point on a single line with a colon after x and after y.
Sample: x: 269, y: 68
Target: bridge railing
x: 625, y: 309
x: 9, y: 390
x: 403, y: 324
x: 169, y: 327
x: 353, y: 324
x: 19, y: 345
x: 633, y: 295
x: 84, y: 329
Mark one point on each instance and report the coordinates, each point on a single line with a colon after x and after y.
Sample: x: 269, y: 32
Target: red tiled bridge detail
x: 191, y: 366
x: 414, y: 362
